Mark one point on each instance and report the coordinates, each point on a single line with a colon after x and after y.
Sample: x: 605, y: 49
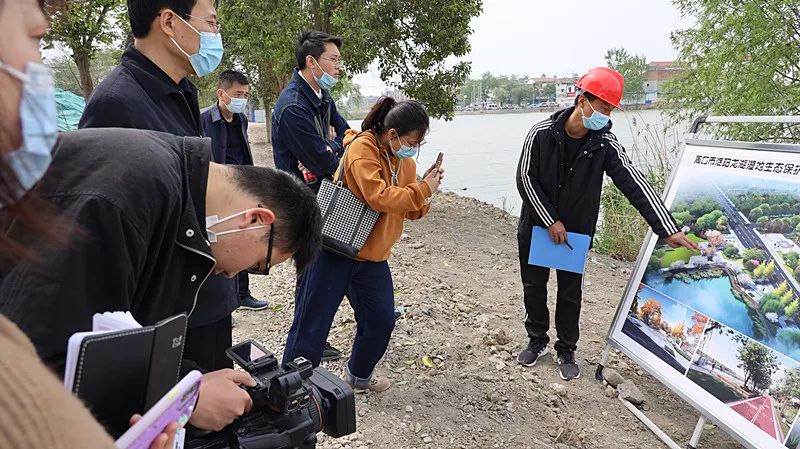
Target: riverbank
x: 359, y: 115
x: 456, y: 275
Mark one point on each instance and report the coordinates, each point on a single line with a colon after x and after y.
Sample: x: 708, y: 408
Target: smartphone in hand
x: 439, y: 159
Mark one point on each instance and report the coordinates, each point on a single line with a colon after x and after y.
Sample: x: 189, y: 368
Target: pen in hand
x: 568, y: 245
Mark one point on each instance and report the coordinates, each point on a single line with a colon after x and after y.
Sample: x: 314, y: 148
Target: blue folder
x: 545, y: 253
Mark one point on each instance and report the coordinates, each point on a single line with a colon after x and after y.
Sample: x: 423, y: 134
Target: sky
x: 531, y: 37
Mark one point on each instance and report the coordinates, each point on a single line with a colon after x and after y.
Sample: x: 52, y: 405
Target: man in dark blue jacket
x: 306, y: 127
x: 307, y: 130
x: 225, y: 122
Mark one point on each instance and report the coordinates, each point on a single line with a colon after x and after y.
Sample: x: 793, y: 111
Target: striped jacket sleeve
x: 527, y: 172
x: 633, y: 184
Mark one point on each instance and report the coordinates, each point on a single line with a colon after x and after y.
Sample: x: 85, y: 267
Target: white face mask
x: 213, y: 220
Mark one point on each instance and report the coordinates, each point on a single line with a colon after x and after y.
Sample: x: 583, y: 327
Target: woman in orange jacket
x: 379, y: 169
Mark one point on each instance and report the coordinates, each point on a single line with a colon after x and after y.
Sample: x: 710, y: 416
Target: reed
x: 621, y: 230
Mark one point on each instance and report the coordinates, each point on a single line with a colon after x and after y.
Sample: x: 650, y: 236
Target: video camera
x: 290, y: 405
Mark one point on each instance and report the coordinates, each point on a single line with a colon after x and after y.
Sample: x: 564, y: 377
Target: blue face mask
x: 405, y: 151
x: 37, y: 111
x: 326, y: 81
x: 209, y: 54
x: 596, y: 121
x: 237, y: 105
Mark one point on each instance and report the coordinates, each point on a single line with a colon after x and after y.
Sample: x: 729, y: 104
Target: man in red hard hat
x: 560, y: 177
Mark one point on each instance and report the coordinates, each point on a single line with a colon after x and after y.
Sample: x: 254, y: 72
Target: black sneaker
x: 330, y: 353
x: 568, y: 369
x: 251, y: 303
x: 532, y: 353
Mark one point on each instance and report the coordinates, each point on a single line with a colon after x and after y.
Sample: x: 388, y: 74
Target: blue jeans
x: 320, y: 289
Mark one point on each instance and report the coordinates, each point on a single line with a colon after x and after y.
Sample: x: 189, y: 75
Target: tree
x: 709, y: 220
x: 740, y: 57
x: 755, y: 214
x: 85, y: 28
x: 791, y: 309
x: 409, y: 41
x: 677, y: 331
x: 787, y: 298
x: 792, y: 259
x: 762, y: 223
x: 758, y: 364
x: 769, y: 269
x: 759, y: 271
x: 772, y: 305
x: 731, y: 251
x: 754, y: 253
x: 633, y: 68
x: 797, y: 273
x: 501, y: 94
x: 650, y: 313
x: 790, y: 385
x: 683, y: 218
x: 65, y: 72
x: 722, y: 223
x: 698, y: 324
x: 782, y: 288
x: 520, y: 94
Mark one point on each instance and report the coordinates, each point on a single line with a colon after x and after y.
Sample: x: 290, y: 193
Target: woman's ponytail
x: 376, y: 116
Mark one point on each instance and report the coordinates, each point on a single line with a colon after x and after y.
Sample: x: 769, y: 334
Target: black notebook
x: 121, y: 368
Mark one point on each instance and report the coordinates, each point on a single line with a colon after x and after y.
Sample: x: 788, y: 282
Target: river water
x: 482, y: 151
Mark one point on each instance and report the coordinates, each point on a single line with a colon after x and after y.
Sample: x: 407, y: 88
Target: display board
x: 721, y: 326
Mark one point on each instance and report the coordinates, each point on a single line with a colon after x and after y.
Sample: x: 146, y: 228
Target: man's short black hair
x: 313, y: 43
x: 141, y: 13
x: 298, y: 221
x: 228, y: 77
x: 588, y: 96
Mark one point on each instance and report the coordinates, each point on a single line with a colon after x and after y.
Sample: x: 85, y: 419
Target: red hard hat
x: 604, y: 83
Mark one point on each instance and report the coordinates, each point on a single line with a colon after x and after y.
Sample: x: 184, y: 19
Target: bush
x: 731, y: 251
x: 772, y: 306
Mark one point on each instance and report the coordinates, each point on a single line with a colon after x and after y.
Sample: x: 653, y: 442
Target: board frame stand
x: 702, y: 420
x: 641, y: 416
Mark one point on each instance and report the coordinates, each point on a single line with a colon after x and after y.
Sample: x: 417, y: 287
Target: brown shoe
x: 378, y: 384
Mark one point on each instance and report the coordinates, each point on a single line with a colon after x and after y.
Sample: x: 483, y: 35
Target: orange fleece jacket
x: 368, y: 176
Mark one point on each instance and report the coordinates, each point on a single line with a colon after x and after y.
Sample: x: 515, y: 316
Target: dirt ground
x: 456, y: 276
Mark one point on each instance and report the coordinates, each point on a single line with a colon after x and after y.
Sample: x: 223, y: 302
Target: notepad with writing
x: 545, y: 253
x: 121, y: 368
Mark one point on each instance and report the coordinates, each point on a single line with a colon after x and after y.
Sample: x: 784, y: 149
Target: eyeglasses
x: 268, y: 263
x: 213, y: 23
x: 336, y: 62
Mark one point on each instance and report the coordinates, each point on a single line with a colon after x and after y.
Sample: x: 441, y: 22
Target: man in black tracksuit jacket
x: 560, y: 177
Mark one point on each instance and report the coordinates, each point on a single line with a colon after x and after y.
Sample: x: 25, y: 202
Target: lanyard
x: 318, y: 123
x: 393, y: 172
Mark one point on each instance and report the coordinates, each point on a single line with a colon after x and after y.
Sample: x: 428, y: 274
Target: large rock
x: 630, y: 392
x: 612, y: 377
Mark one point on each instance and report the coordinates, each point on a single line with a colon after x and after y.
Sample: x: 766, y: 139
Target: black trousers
x: 534, y: 286
x: 206, y: 345
x: 243, y: 287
